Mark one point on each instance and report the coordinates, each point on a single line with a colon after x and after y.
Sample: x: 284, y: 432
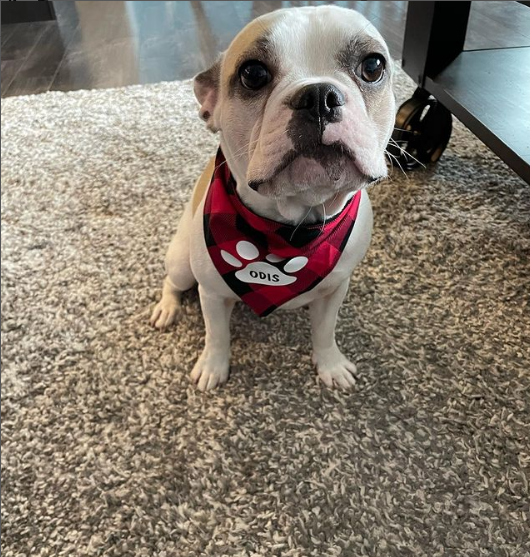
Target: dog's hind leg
x: 179, y: 276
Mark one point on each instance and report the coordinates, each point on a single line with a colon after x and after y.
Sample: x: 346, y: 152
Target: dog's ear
x: 206, y: 88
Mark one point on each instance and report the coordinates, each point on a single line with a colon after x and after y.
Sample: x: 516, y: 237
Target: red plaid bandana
x: 268, y: 263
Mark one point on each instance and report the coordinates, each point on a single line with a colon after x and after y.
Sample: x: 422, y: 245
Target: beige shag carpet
x: 109, y: 451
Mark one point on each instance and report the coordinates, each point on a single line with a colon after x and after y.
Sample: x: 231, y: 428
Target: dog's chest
x: 247, y: 271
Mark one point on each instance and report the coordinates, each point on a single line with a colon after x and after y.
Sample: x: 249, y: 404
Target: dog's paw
x: 334, y: 369
x: 210, y: 371
x: 165, y: 312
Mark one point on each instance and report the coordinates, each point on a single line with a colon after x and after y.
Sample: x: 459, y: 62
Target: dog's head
x: 304, y: 104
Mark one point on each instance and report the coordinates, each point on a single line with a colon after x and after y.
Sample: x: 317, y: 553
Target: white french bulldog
x: 303, y: 103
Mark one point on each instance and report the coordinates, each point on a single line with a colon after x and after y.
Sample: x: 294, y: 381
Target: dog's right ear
x: 206, y: 88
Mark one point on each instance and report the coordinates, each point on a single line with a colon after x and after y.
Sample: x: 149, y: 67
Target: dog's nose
x: 319, y: 102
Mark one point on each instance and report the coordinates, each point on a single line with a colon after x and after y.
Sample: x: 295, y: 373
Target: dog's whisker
x: 240, y: 153
x: 390, y: 161
x: 397, y: 162
x: 300, y: 224
x: 323, y: 220
x: 237, y: 155
x: 405, y: 152
x: 391, y: 158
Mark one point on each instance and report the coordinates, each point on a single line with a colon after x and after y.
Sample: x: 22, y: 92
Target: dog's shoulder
x: 201, y: 186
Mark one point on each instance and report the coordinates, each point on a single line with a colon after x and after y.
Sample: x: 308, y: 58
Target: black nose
x: 319, y: 102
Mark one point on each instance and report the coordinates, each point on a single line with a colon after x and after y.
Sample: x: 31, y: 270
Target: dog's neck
x: 289, y: 210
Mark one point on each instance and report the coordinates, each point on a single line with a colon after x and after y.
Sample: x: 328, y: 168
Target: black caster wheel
x: 422, y: 131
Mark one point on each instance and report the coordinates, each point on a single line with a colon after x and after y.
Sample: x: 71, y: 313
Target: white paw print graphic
x: 261, y: 272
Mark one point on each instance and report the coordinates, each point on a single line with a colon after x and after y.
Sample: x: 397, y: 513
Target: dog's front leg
x: 211, y: 369
x: 332, y: 366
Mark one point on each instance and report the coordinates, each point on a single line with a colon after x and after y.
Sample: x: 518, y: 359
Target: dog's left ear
x: 206, y: 88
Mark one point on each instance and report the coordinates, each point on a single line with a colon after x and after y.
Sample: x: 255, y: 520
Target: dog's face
x: 304, y: 103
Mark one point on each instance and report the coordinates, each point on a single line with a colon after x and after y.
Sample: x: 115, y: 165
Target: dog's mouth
x: 324, y: 163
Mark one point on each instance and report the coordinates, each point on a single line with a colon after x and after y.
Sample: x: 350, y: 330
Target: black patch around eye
x: 356, y: 51
x: 260, y: 52
x: 254, y: 75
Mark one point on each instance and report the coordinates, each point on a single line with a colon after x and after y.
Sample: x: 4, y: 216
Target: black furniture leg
x: 434, y: 36
x: 26, y: 12
x: 435, y: 33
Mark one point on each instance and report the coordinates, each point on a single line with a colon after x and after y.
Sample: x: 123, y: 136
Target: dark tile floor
x: 109, y: 44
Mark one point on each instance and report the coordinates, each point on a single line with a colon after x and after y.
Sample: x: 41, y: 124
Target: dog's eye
x: 372, y: 68
x: 254, y: 75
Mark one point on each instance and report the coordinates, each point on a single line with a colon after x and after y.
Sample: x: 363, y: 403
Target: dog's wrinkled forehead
x: 302, y: 43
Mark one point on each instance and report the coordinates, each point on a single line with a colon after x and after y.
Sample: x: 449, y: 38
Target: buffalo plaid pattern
x: 227, y: 222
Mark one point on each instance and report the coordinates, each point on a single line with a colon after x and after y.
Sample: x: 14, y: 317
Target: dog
x: 302, y: 101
